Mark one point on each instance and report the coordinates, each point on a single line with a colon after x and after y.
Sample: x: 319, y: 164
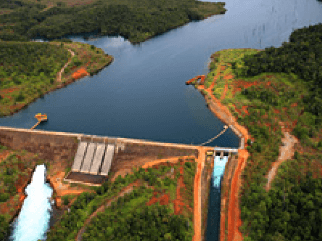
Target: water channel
x: 142, y: 94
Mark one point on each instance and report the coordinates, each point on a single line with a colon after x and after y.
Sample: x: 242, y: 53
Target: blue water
x: 213, y: 219
x: 219, y: 169
x: 33, y: 220
x: 142, y: 94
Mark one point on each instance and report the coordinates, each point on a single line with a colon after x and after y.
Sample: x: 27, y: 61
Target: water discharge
x: 219, y: 168
x: 33, y: 220
x: 213, y: 219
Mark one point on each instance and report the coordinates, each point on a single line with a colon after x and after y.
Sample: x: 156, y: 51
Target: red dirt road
x: 234, y: 220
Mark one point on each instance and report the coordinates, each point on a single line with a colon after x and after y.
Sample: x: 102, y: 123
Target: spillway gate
x: 93, y: 158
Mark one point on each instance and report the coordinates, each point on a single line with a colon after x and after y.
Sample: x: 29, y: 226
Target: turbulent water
x: 33, y: 220
x: 213, y: 219
x: 219, y: 169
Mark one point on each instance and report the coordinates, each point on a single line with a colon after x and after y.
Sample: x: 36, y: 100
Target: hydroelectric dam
x: 92, y: 158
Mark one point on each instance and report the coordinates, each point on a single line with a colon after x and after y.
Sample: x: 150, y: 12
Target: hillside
x: 28, y: 70
x: 276, y: 95
x: 147, y: 204
x: 136, y: 20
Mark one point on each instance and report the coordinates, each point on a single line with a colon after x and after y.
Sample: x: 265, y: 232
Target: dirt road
x: 286, y: 152
x: 58, y: 79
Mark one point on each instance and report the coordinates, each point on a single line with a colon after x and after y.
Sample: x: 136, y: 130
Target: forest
x: 136, y: 20
x: 301, y: 56
x: 271, y: 92
x: 28, y: 70
x: 286, y: 90
x: 129, y: 217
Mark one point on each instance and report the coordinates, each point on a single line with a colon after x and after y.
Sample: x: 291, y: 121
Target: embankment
x: 231, y: 177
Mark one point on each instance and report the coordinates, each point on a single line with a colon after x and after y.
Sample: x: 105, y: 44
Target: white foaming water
x: 219, y: 168
x: 33, y: 220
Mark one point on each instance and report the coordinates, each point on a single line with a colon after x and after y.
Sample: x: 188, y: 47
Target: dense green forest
x: 147, y: 222
x: 301, y: 56
x: 286, y: 91
x: 136, y: 20
x: 271, y: 92
x: 27, y: 70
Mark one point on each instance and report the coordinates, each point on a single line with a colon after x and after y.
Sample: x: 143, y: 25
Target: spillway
x: 33, y: 220
x: 213, y: 220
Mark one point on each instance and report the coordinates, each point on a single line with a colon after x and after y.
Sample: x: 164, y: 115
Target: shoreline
x: 60, y: 85
x: 222, y: 112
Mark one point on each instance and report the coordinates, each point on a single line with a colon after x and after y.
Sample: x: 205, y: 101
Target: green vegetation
x: 136, y: 20
x: 29, y: 69
x: 128, y: 209
x: 142, y: 223
x: 301, y: 56
x: 278, y: 87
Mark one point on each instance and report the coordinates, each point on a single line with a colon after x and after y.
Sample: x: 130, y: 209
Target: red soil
x: 229, y: 77
x: 244, y: 108
x: 234, y: 219
x: 201, y: 77
x: 239, y: 85
x: 294, y: 105
x: 276, y: 111
x: 178, y: 204
x: 222, y: 68
x: 164, y: 200
x: 224, y: 92
x: 9, y: 90
x: 80, y: 73
x: 153, y: 200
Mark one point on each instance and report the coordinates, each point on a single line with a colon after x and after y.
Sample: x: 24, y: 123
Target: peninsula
x: 273, y: 99
x: 28, y: 70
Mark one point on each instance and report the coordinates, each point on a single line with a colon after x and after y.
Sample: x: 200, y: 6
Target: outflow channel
x: 33, y: 220
x: 213, y: 220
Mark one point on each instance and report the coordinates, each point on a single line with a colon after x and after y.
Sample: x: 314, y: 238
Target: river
x: 142, y: 94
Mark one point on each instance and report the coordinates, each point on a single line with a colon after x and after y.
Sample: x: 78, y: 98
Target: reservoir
x: 143, y: 95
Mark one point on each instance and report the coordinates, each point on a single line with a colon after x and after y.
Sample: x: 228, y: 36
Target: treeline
x: 136, y: 20
x: 301, y: 56
x: 291, y: 210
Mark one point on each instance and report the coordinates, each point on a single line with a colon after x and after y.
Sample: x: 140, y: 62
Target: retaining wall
x: 51, y: 146
x: 54, y: 146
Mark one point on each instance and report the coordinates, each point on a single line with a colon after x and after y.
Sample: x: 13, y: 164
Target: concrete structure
x: 79, y: 156
x: 97, y: 161
x: 88, y: 157
x: 222, y: 151
x: 94, y: 158
x: 108, y: 160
